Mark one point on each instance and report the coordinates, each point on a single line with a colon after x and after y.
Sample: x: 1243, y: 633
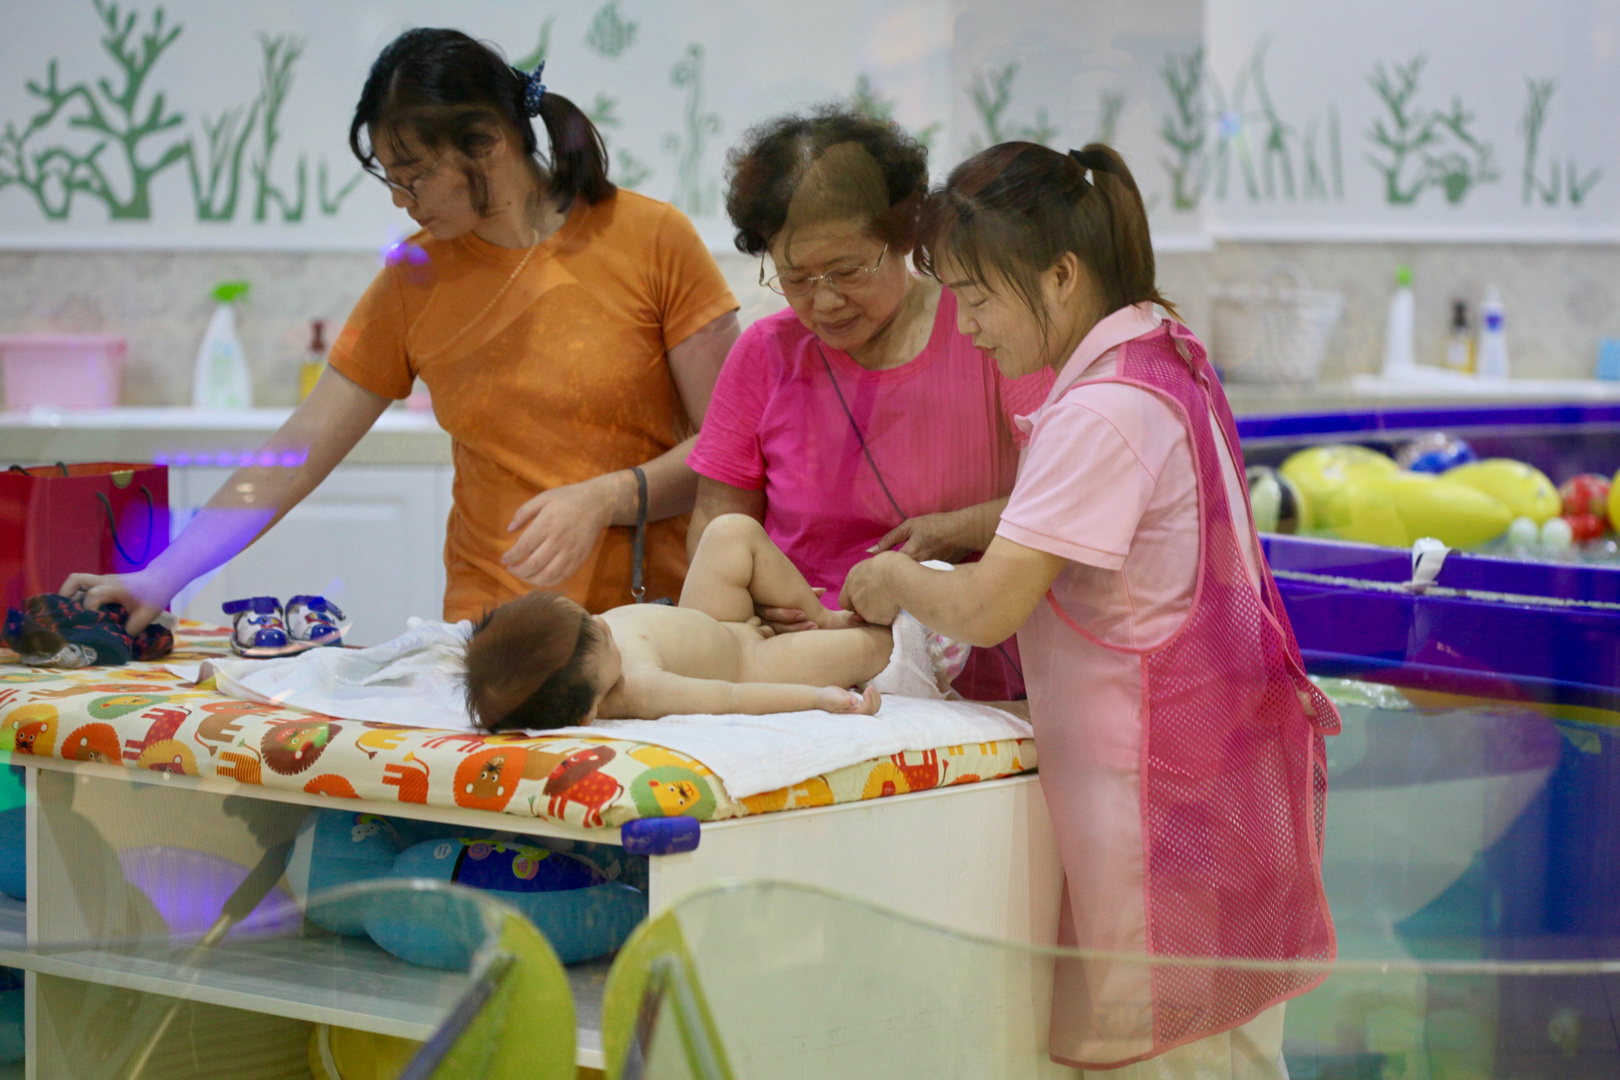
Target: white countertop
x: 400, y: 436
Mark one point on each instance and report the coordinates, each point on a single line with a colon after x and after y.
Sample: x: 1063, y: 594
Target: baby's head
x: 540, y: 661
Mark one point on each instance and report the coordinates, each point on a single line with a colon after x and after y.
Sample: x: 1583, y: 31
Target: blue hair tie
x: 534, y: 91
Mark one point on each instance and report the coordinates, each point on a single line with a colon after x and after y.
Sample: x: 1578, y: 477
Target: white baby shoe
x: 257, y: 629
x: 314, y: 620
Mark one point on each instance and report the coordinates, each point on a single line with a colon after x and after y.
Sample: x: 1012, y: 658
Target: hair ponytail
x: 1014, y: 209
x: 579, y: 157
x: 448, y: 91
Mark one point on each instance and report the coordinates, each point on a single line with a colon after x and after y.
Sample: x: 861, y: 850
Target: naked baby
x: 541, y: 661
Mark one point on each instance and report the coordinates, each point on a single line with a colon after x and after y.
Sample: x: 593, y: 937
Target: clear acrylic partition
x: 162, y: 938
x: 1469, y: 862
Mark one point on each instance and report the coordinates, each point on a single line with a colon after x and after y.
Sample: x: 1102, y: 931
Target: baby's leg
x: 820, y: 657
x: 737, y: 566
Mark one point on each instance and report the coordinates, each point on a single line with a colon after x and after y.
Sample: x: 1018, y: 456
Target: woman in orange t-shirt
x: 569, y: 333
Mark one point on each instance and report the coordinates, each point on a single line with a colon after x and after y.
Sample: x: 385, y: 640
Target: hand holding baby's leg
x: 737, y: 566
x: 835, y: 699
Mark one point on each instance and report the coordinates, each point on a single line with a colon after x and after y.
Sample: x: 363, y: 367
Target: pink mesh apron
x: 1232, y: 780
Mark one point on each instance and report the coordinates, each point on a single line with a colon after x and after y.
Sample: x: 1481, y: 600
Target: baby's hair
x: 526, y: 664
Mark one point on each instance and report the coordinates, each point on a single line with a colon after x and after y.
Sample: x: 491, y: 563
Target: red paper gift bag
x: 102, y: 517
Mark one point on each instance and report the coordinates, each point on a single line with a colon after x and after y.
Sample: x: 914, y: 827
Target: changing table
x: 135, y: 758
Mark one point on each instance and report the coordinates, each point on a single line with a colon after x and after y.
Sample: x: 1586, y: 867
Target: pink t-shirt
x: 940, y: 429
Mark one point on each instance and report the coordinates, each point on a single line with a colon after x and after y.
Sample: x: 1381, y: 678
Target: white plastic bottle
x: 1493, y: 354
x: 222, y: 379
x: 1398, y: 352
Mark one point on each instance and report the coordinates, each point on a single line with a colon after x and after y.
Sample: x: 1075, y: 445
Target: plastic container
x: 1274, y: 333
x: 221, y: 379
x: 62, y: 371
x: 1492, y: 361
x: 1398, y: 353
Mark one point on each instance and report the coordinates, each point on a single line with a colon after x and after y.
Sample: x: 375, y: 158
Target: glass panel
x: 1468, y: 864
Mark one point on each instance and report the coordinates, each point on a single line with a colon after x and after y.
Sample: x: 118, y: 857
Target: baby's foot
x: 835, y: 699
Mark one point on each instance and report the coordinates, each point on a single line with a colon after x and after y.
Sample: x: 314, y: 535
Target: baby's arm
x: 655, y: 694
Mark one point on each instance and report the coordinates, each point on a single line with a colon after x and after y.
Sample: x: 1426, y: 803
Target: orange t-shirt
x: 546, y: 368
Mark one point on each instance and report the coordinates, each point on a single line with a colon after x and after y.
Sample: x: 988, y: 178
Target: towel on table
x: 416, y: 680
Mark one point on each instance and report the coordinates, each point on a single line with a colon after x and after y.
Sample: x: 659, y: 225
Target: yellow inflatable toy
x: 1614, y: 510
x: 1523, y: 489
x: 1323, y: 473
x: 1398, y: 508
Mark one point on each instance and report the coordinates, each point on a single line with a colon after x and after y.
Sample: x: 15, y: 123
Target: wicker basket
x: 1274, y: 333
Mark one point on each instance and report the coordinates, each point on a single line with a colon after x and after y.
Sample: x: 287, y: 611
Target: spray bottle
x: 222, y: 379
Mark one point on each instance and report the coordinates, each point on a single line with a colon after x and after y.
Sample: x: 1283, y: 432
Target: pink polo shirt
x: 1108, y: 483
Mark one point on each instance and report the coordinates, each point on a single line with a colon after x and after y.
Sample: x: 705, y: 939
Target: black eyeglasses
x: 840, y: 279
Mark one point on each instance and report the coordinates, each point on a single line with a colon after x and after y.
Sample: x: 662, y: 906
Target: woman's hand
x: 951, y: 536
x: 785, y: 620
x: 139, y: 594
x: 866, y: 589
x: 946, y: 536
x: 560, y: 528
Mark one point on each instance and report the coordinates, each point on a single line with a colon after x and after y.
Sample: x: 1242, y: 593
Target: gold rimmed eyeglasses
x: 840, y: 279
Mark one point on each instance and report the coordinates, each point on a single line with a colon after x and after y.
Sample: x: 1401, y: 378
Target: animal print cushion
x: 143, y: 717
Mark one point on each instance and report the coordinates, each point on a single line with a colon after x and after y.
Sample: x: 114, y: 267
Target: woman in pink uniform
x: 859, y: 418
x: 1180, y: 741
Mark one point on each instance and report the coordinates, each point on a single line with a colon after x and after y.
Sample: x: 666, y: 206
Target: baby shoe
x: 258, y: 630
x: 314, y: 620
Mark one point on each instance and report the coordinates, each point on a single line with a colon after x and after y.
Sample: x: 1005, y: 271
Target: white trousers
x: 1250, y: 1052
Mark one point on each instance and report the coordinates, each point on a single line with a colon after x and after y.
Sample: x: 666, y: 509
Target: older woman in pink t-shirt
x: 860, y: 418
x: 1180, y: 741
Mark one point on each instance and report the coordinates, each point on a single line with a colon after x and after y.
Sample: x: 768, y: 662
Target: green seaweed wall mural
x: 1186, y: 128
x: 122, y: 115
x: 1554, y: 188
x: 1274, y: 158
x: 694, y: 193
x: 1421, y: 148
x: 275, y: 79
x: 1110, y: 105
x: 867, y: 101
x: 610, y: 33
x: 216, y: 172
x: 126, y: 118
x: 991, y: 93
x: 537, y: 55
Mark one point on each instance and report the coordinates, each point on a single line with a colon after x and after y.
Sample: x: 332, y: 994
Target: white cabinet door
x: 371, y: 539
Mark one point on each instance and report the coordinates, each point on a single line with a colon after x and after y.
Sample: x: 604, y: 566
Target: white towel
x: 416, y: 680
